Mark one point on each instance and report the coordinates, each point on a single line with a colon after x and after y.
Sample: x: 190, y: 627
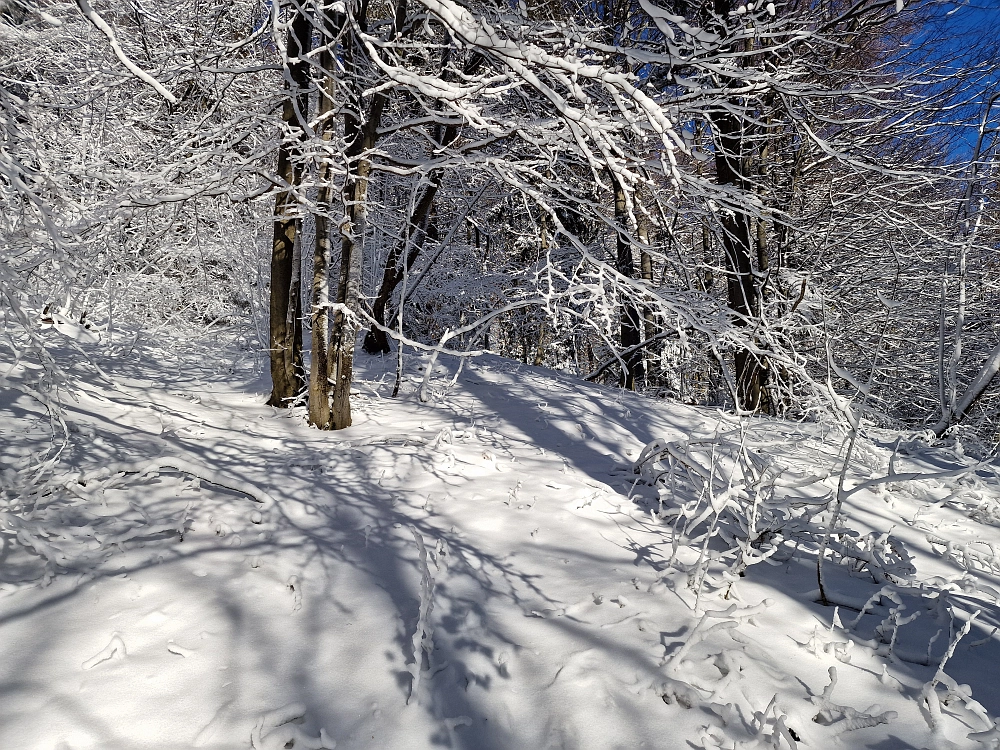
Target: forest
x: 550, y: 373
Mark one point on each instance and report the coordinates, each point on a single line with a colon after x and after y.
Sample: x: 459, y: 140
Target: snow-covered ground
x: 482, y: 571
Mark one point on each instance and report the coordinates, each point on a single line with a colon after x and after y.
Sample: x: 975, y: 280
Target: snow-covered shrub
x: 738, y: 507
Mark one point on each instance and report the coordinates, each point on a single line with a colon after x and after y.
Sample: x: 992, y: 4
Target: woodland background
x: 773, y: 207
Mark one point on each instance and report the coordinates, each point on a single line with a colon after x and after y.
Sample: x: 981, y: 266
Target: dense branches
x: 594, y: 170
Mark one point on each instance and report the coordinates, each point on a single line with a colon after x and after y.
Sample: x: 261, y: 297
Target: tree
x: 286, y: 284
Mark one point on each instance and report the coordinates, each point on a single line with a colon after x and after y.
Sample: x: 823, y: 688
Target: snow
x: 484, y: 570
x: 94, y: 17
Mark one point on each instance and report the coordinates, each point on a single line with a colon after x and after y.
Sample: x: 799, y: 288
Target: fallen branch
x: 207, y: 475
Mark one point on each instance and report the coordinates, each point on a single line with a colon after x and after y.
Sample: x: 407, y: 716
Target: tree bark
x: 319, y: 375
x: 976, y: 389
x: 739, y: 246
x: 361, y: 137
x: 739, y: 240
x: 345, y: 321
x: 416, y: 232
x: 376, y: 340
x: 631, y: 321
x: 285, y: 333
x: 649, y: 322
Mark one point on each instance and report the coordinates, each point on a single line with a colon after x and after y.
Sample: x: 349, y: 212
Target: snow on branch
x: 103, y: 26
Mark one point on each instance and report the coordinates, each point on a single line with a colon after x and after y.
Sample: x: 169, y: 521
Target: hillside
x: 486, y: 570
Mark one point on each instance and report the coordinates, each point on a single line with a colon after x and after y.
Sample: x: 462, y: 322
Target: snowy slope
x: 483, y: 571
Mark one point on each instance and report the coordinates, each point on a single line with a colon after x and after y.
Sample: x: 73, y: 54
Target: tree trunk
x: 319, y: 376
x: 345, y: 325
x: 285, y: 337
x: 649, y: 322
x: 976, y: 389
x: 739, y: 245
x: 376, y: 341
x: 417, y: 228
x: 361, y: 137
x: 625, y: 265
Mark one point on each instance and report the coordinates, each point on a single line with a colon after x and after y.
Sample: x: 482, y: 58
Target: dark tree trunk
x: 631, y: 321
x: 649, y: 322
x: 345, y: 326
x: 285, y: 333
x: 416, y: 232
x: 739, y: 246
x: 376, y: 340
x: 739, y: 240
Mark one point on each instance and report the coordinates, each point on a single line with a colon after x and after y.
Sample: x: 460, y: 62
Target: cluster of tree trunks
x: 337, y: 83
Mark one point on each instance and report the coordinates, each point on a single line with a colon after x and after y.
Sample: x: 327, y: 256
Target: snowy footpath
x: 524, y: 562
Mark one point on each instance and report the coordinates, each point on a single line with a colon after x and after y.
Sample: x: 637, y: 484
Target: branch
x: 134, y: 69
x: 474, y: 326
x: 976, y: 388
x: 619, y: 357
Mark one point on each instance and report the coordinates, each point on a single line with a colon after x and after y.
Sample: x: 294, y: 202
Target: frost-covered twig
x: 844, y: 718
